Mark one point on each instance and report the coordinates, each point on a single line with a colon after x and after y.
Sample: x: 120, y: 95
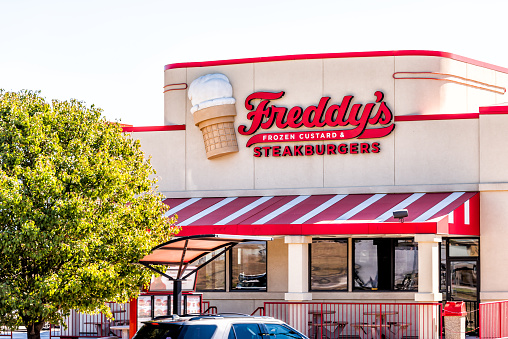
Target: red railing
x: 92, y: 325
x: 494, y: 319
x: 363, y: 320
x: 259, y: 311
x: 207, y: 309
x: 205, y: 305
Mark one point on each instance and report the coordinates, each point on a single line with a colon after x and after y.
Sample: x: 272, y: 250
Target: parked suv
x: 223, y: 326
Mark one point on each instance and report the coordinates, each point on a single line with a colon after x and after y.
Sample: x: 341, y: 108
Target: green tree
x: 78, y: 206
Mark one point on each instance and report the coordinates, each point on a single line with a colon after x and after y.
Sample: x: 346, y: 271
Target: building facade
x: 318, y: 151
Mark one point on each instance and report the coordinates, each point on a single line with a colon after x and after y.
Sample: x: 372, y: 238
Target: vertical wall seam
x: 185, y: 137
x: 394, y: 181
x: 254, y: 186
x: 322, y: 94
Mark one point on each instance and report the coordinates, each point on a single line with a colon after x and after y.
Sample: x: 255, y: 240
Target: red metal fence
x: 494, y: 319
x: 92, y: 325
x: 360, y: 320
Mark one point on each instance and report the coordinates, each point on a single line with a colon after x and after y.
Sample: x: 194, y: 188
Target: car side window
x: 247, y: 331
x: 277, y: 331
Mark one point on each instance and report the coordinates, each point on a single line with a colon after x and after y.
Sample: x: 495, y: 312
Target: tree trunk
x: 33, y: 330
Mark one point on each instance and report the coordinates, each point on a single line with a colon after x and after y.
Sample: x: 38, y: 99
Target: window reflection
x: 328, y: 265
x: 386, y: 264
x: 366, y: 265
x: 406, y: 266
x: 464, y: 248
x: 463, y: 280
x: 248, y: 266
x: 443, y: 266
x: 211, y: 277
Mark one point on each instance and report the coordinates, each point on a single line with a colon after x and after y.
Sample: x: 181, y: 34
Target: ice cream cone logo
x: 214, y: 111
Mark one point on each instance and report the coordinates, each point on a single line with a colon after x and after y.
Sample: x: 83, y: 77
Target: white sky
x: 112, y: 53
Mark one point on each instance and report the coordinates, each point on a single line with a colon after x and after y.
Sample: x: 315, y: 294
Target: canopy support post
x: 177, y: 297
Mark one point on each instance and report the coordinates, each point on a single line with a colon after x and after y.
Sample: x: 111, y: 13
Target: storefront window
x: 406, y: 265
x: 328, y: 261
x: 248, y: 266
x: 385, y: 264
x: 211, y: 277
x: 366, y: 265
x: 443, y: 266
x: 464, y: 248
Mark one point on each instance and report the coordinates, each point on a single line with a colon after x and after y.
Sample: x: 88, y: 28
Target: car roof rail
x: 220, y: 315
x: 233, y: 314
x: 173, y: 317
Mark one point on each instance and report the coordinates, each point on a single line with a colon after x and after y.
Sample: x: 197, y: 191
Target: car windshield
x: 174, y: 331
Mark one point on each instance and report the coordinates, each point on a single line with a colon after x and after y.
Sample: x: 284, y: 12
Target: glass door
x: 462, y: 278
x: 463, y: 282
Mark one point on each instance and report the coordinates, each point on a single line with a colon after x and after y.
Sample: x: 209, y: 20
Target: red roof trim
x: 494, y: 110
x: 154, y: 128
x: 425, y: 117
x: 336, y: 56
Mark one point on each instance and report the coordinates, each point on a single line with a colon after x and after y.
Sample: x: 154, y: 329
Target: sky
x: 112, y: 53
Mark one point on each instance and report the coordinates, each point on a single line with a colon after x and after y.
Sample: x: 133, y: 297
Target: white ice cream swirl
x: 210, y: 90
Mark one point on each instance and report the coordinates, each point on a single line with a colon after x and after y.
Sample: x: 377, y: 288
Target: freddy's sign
x: 373, y: 121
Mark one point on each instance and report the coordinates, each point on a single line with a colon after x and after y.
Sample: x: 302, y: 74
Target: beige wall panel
x: 232, y: 171
x: 302, y: 82
x: 436, y: 152
x: 429, y: 96
x: 373, y: 169
x: 168, y: 161
x: 360, y: 77
x: 478, y: 97
x: 493, y: 235
x: 493, y: 154
x: 502, y: 80
x: 277, y: 266
x: 175, y: 101
x: 289, y: 172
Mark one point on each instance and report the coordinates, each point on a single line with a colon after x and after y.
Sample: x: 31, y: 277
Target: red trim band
x: 154, y: 128
x: 367, y: 228
x: 460, y: 116
x: 494, y: 110
x: 437, y: 117
x: 337, y: 56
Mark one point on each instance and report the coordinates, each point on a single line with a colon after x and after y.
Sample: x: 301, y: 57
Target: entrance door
x: 463, y: 276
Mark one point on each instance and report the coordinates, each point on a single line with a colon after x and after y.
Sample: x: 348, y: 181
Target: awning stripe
x: 320, y: 209
x: 450, y: 217
x: 281, y: 210
x: 436, y: 208
x: 408, y: 201
x: 244, y: 210
x: 361, y: 207
x: 181, y: 207
x: 206, y: 212
x: 466, y: 213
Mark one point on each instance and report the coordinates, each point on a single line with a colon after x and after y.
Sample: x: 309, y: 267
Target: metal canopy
x: 183, y: 251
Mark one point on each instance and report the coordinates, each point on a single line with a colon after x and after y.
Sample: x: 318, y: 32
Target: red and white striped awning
x: 462, y: 209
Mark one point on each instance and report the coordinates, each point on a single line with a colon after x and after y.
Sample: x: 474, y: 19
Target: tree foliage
x: 78, y: 207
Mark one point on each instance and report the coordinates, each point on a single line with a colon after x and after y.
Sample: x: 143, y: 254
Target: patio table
x: 124, y: 329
